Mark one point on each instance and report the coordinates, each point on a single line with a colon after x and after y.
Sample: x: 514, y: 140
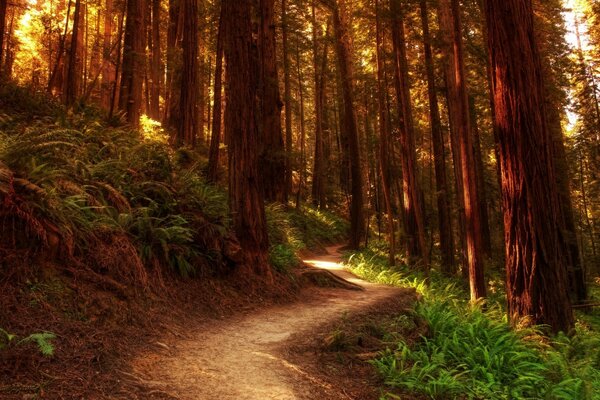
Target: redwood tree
x: 241, y: 131
x: 272, y: 160
x: 130, y: 98
x: 215, y: 138
x: 536, y: 259
x: 3, y: 4
x: 439, y: 156
x: 341, y: 22
x: 413, y: 210
x: 188, y: 100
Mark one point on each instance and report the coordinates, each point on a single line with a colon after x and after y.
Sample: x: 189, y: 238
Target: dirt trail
x: 241, y: 357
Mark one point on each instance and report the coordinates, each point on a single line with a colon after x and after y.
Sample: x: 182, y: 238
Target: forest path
x: 243, y: 357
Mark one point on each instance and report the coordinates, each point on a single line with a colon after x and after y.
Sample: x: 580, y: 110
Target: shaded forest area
x: 178, y: 157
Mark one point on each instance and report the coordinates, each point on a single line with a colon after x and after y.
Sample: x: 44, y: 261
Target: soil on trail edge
x: 243, y: 357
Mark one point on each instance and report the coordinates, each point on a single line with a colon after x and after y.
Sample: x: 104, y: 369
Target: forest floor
x: 313, y: 348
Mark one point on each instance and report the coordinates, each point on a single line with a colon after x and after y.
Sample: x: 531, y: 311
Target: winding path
x: 241, y: 357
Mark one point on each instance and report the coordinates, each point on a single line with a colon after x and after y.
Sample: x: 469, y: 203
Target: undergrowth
x: 469, y: 353
x: 75, y: 186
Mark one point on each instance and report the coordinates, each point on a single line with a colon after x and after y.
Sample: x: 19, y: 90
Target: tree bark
x: 130, y: 98
x: 535, y: 255
x: 384, y: 136
x: 188, y: 100
x: 413, y: 211
x: 108, y: 69
x: 287, y: 98
x: 439, y: 156
x: 74, y: 64
x: 215, y: 138
x: 155, y: 65
x: 272, y: 160
x: 343, y: 48
x: 459, y: 110
x: 241, y: 130
x: 3, y: 5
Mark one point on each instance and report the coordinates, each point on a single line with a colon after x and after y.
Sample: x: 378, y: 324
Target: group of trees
x: 434, y: 121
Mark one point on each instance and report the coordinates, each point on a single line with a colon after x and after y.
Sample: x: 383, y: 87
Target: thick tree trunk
x: 272, y: 160
x: 241, y: 130
x: 343, y: 48
x: 188, y: 100
x: 384, y: 136
x: 459, y: 110
x: 439, y: 156
x: 535, y: 253
x: 73, y: 79
x: 413, y: 211
x: 215, y: 138
x: 287, y: 98
x: 130, y: 98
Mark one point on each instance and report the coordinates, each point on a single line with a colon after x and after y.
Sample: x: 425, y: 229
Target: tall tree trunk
x: 73, y: 67
x: 241, y: 130
x: 287, y: 98
x: 130, y: 98
x: 535, y: 253
x: 188, y: 101
x: 342, y: 26
x: 155, y: 68
x: 174, y: 52
x: 272, y: 160
x: 413, y: 211
x: 439, y: 156
x: 319, y: 180
x: 215, y: 138
x: 55, y: 82
x: 458, y: 98
x: 486, y: 240
x: 3, y: 4
x: 302, y: 179
x: 108, y: 70
x: 384, y: 136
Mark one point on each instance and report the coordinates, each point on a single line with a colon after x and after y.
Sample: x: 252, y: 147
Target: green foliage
x: 43, y: 341
x: 471, y: 353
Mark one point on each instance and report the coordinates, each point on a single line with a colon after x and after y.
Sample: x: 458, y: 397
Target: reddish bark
x: 439, y: 156
x: 130, y: 98
x: 536, y: 263
x: 215, y: 138
x: 245, y: 195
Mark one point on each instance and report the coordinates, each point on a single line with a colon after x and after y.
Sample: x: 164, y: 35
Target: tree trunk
x: 486, y: 240
x: 384, y: 136
x: 108, y: 70
x: 413, y: 210
x: 459, y: 110
x: 188, y: 100
x: 535, y: 253
x: 3, y: 4
x: 155, y: 66
x: 272, y: 160
x: 343, y: 48
x: 319, y: 169
x: 74, y: 64
x: 130, y: 98
x: 174, y: 37
x: 241, y: 130
x: 302, y: 179
x: 215, y: 138
x: 439, y: 156
x: 287, y: 99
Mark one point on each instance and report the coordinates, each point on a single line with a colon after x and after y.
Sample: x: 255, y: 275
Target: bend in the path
x: 240, y: 358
